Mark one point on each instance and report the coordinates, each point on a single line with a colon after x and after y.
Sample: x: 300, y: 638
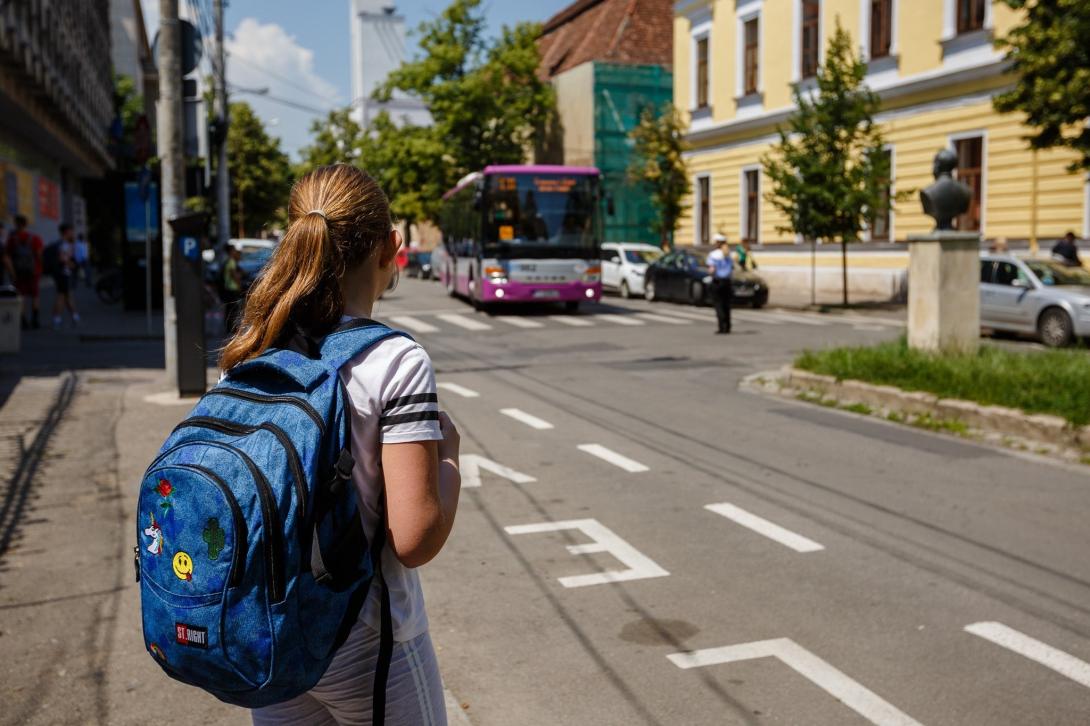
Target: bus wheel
x: 451, y: 290
x: 572, y: 306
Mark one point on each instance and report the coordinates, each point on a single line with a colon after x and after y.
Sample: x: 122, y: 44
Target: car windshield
x: 1053, y: 273
x: 642, y: 257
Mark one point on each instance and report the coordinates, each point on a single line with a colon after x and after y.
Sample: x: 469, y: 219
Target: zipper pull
x: 136, y: 561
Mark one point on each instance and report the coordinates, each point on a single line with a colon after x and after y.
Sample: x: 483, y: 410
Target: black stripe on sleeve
x: 404, y: 418
x: 410, y: 400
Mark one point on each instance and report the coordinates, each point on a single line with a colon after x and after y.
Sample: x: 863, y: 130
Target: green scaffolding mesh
x: 621, y: 92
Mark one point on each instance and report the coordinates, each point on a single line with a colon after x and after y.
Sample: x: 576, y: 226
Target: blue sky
x: 300, y: 50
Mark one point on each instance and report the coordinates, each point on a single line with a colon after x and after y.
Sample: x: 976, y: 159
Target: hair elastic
x: 318, y: 211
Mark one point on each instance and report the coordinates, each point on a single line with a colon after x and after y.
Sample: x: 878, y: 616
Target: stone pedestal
x: 944, y: 291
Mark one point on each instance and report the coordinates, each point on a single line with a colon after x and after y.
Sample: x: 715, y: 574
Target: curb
x: 1042, y: 428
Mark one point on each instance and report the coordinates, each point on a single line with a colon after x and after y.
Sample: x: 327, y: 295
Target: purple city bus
x: 519, y: 234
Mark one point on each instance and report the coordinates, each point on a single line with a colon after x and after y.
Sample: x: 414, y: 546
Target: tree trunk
x: 844, y: 267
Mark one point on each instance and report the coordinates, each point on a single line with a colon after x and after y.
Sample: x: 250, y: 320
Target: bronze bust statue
x: 946, y: 198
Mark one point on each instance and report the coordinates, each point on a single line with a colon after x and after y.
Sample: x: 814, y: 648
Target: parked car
x: 419, y: 265
x: 683, y: 276
x: 1038, y: 297
x: 624, y: 266
x: 252, y: 262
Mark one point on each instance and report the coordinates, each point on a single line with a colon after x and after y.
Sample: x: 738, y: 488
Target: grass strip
x: 1055, y: 381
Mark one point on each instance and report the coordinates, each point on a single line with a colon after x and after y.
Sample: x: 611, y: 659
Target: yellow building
x: 935, y: 67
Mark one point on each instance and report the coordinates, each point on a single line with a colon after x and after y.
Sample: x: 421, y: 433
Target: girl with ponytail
x: 335, y: 260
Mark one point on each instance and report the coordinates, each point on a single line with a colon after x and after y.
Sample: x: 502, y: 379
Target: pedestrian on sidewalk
x: 232, y: 289
x: 60, y: 262
x: 745, y: 256
x: 24, y: 249
x: 721, y: 268
x: 337, y: 257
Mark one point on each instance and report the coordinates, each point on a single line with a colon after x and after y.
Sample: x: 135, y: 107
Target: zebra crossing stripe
x: 662, y: 319
x: 464, y: 322
x: 572, y: 321
x: 519, y: 322
x: 416, y: 325
x: 618, y: 319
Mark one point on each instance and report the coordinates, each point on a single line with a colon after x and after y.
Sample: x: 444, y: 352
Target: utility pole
x: 172, y: 169
x: 223, y: 180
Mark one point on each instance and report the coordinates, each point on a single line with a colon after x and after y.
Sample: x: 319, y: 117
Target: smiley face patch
x: 183, y: 566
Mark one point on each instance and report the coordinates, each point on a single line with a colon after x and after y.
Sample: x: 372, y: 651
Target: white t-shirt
x: 392, y: 389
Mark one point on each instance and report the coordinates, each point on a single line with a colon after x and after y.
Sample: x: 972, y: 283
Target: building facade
x: 935, y: 67
x: 56, y: 107
x: 608, y: 60
x: 378, y: 48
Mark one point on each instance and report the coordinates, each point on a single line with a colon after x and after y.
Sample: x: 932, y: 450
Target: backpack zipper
x: 230, y: 427
x: 274, y: 539
x: 272, y: 399
x: 238, y: 558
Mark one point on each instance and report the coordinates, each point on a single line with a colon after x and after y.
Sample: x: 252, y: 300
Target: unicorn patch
x: 155, y: 547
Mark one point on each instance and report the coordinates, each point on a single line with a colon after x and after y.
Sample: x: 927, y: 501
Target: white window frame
x: 701, y: 29
x: 864, y: 28
x: 893, y: 193
x: 972, y: 134
x: 748, y: 10
x: 743, y: 202
x: 950, y: 18
x: 697, y: 221
x: 796, y: 38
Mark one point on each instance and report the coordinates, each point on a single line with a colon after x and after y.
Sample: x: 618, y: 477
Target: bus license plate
x: 546, y: 293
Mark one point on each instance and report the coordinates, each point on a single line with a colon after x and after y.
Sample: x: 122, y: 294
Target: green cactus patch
x: 214, y: 537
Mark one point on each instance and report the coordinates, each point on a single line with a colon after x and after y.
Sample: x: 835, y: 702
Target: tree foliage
x: 337, y: 138
x: 828, y: 171
x: 260, y: 173
x: 403, y: 161
x: 1050, y: 60
x: 659, y: 165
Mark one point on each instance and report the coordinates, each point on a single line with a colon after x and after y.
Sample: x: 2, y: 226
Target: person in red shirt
x: 24, y: 250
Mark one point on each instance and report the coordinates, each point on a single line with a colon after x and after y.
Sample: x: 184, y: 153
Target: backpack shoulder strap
x: 352, y: 338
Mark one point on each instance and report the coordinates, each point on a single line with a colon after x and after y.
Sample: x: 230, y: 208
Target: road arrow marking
x: 850, y: 692
x: 762, y: 526
x: 472, y: 464
x: 632, y: 467
x: 1043, y: 653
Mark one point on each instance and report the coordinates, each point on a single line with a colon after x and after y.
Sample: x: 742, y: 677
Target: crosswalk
x: 440, y: 322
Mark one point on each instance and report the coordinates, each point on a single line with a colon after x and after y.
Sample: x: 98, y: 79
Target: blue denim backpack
x: 252, y: 560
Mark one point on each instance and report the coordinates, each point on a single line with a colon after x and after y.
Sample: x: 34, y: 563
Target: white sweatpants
x: 414, y: 692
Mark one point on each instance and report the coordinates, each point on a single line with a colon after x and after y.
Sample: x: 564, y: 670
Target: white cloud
x: 266, y: 56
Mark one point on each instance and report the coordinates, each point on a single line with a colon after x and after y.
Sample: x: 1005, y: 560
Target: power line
x: 279, y: 77
x: 284, y: 101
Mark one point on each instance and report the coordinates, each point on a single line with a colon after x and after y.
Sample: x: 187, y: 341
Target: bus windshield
x: 541, y: 215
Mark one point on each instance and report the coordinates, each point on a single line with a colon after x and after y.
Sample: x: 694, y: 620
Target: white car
x: 624, y: 266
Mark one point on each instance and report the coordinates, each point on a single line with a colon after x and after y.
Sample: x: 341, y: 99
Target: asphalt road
x: 649, y: 545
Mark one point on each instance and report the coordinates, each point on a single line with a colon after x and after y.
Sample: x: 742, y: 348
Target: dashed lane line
x: 416, y: 325
x: 463, y: 322
x: 1043, y: 653
x: 629, y: 465
x: 459, y: 390
x: 762, y: 526
x: 530, y: 420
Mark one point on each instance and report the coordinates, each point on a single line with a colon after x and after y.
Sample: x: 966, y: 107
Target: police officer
x: 721, y: 267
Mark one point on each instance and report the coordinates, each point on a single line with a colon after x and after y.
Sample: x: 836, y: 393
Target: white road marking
x: 519, y: 322
x: 752, y: 317
x: 846, y: 690
x: 618, y: 319
x: 460, y: 390
x: 869, y: 327
x: 414, y: 324
x: 633, y: 467
x: 571, y: 320
x: 463, y: 322
x: 691, y: 315
x: 529, y: 420
x: 472, y: 464
x: 762, y: 526
x: 662, y: 319
x: 803, y: 319
x: 1043, y: 653
x: 639, y: 566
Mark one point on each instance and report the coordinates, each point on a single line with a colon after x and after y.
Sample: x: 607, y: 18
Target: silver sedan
x: 1040, y: 297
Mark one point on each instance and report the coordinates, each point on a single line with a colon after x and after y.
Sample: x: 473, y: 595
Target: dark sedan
x: 419, y: 265
x: 683, y: 276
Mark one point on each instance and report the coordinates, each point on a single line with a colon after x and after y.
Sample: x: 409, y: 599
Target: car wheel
x: 696, y: 293
x: 625, y: 292
x: 1055, y: 329
x: 649, y: 290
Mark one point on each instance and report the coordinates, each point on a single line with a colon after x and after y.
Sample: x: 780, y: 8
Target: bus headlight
x: 589, y: 293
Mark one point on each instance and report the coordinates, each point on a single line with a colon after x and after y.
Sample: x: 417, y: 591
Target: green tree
x: 828, y: 170
x: 129, y: 107
x: 485, y: 98
x: 337, y: 138
x: 659, y: 165
x: 260, y: 172
x: 1050, y: 61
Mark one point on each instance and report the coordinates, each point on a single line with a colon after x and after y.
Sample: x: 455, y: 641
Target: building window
x: 751, y: 225
x: 880, y: 221
x: 881, y: 28
x: 971, y: 15
x: 704, y: 191
x: 702, y: 73
x: 811, y: 38
x: 752, y: 57
x: 970, y: 170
